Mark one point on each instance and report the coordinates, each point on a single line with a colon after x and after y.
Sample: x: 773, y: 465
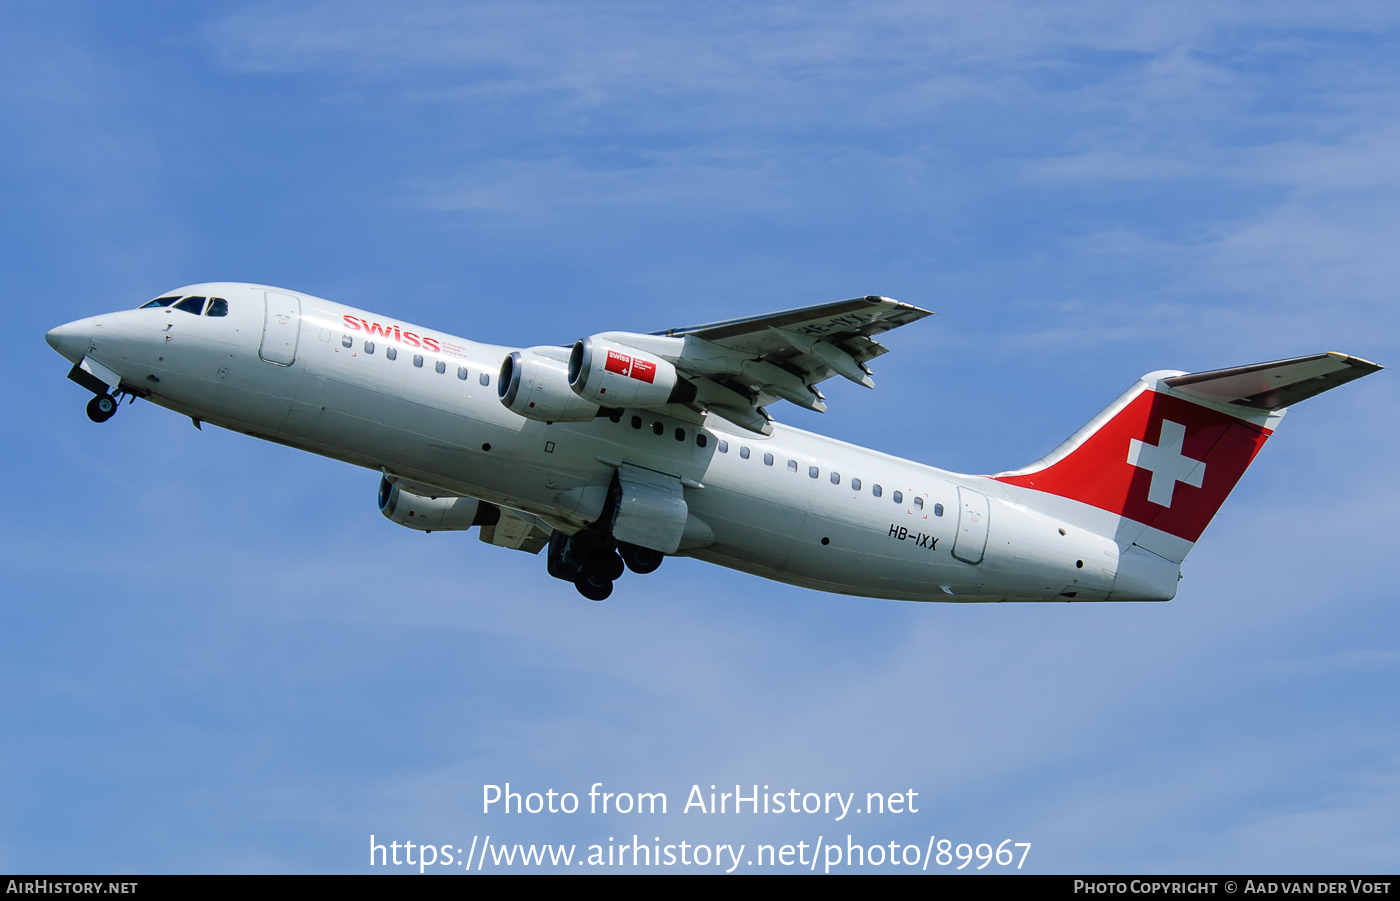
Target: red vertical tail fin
x: 1168, y: 452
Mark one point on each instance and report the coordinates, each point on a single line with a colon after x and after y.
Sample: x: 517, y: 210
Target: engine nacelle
x: 429, y: 514
x: 613, y: 375
x: 537, y: 387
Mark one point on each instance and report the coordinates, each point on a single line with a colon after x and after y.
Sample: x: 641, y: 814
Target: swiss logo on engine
x: 641, y: 370
x: 619, y: 363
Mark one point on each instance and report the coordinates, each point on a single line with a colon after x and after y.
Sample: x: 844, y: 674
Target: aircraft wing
x: 742, y: 364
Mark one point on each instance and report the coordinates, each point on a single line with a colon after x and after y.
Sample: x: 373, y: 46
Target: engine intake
x: 607, y: 373
x: 434, y: 514
x: 537, y: 387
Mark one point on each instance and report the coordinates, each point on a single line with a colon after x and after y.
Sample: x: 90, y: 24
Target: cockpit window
x: 217, y: 307
x: 159, y: 302
x: 193, y: 305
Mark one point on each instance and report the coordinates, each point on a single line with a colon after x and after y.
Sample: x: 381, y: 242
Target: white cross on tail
x: 1166, y: 463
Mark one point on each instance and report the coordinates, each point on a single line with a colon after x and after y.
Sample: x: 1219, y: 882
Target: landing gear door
x: 518, y: 531
x: 974, y: 514
x: 651, y: 509
x: 281, y: 328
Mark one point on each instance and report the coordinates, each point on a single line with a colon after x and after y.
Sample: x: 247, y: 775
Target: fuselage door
x: 281, y: 327
x: 974, y: 514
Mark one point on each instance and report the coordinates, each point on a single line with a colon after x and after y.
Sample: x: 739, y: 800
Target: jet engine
x: 537, y: 387
x: 434, y: 514
x: 612, y: 375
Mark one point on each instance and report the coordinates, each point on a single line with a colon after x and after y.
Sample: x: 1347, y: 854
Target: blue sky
x: 219, y: 657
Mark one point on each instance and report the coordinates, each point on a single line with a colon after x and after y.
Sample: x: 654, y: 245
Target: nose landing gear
x: 102, y: 407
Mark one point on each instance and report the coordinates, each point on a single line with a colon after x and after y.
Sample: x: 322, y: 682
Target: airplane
x: 625, y: 448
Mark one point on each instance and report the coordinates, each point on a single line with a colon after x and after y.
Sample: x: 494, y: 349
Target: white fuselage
x: 803, y: 518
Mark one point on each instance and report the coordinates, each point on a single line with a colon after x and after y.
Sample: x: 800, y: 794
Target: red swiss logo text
x: 392, y: 333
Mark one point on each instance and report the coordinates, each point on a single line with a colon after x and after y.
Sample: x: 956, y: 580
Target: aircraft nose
x: 71, y: 340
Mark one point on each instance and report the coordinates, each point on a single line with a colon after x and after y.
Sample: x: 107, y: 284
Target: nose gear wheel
x: 102, y: 408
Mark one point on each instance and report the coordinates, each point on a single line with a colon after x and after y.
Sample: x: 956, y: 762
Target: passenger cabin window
x: 855, y: 484
x: 937, y: 509
x: 462, y: 373
x: 899, y: 497
x: 836, y: 478
x: 876, y: 490
x: 792, y: 466
x: 485, y: 378
x: 636, y: 422
x: 346, y: 341
x: 723, y: 446
x: 159, y: 302
x: 441, y: 367
x: 700, y: 440
x: 919, y: 502
x: 369, y: 347
x: 680, y: 434
x: 193, y: 305
x: 813, y: 472
x: 744, y: 452
x: 217, y: 307
x: 658, y: 429
x: 418, y: 360
x: 767, y: 459
x: 391, y: 352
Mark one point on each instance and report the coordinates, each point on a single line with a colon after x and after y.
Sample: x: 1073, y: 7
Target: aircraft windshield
x: 191, y: 305
x: 159, y: 302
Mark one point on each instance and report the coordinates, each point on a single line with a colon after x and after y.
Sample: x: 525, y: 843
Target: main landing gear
x: 641, y: 560
x: 593, y: 561
x: 103, y: 407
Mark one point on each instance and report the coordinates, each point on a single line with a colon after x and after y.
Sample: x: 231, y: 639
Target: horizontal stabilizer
x: 1273, y: 386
